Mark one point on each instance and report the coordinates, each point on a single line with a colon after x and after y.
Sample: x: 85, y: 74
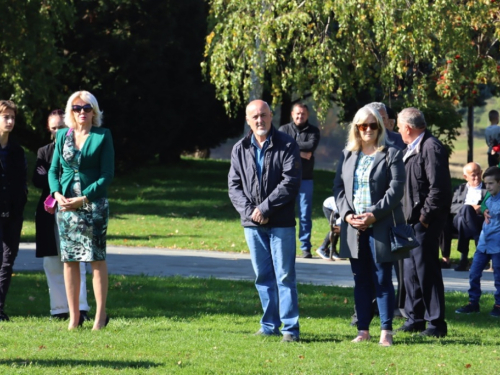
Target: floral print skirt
x: 83, y: 232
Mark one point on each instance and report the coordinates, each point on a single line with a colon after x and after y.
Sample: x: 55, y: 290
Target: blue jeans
x: 304, y: 206
x: 476, y: 272
x: 272, y: 252
x: 370, y: 276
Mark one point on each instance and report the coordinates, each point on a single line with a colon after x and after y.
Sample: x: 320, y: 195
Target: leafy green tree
x: 342, y: 50
x: 30, y: 62
x: 141, y: 60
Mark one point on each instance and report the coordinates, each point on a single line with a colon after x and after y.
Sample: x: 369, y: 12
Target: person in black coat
x: 307, y: 137
x: 13, y: 197
x: 426, y: 204
x: 47, y: 243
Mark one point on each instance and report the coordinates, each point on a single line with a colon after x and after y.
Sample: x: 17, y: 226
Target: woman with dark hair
x: 368, y: 189
x: 47, y: 238
x: 81, y: 171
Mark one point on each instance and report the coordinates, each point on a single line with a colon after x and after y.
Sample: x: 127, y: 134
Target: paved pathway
x: 235, y: 266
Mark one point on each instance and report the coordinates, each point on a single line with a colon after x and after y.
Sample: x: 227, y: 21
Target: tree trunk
x: 470, y: 133
x: 286, y: 109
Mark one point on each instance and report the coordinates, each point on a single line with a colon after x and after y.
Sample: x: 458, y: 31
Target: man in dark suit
x: 426, y: 204
x: 465, y: 216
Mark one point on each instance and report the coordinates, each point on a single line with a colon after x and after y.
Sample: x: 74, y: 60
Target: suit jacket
x: 459, y: 196
x: 13, y: 184
x: 428, y: 181
x: 97, y: 165
x: 44, y: 222
x: 387, y: 178
x: 395, y: 139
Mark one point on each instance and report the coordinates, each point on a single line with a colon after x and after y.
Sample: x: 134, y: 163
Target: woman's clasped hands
x: 361, y: 221
x: 68, y: 204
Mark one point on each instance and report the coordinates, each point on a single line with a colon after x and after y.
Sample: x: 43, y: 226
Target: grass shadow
x: 56, y: 363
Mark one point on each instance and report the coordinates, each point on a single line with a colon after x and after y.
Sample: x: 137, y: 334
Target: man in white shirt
x: 465, y: 215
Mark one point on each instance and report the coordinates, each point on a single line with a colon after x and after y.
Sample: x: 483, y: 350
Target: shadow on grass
x: 175, y: 297
x: 116, y: 365
x: 147, y: 236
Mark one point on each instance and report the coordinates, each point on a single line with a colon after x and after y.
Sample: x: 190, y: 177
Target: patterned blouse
x: 362, y: 198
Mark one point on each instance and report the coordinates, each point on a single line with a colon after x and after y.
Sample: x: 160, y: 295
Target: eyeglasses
x: 87, y: 108
x: 57, y: 112
x: 371, y: 125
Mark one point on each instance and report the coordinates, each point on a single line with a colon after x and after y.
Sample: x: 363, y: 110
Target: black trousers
x: 493, y: 160
x: 423, y: 279
x: 10, y: 233
x: 468, y: 224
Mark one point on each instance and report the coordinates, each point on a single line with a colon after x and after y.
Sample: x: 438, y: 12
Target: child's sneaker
x: 470, y: 308
x: 496, y: 311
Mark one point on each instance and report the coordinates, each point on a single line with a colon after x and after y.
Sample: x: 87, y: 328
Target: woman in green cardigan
x: 82, y: 169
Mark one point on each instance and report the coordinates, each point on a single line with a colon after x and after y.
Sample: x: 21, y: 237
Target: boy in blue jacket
x: 488, y: 247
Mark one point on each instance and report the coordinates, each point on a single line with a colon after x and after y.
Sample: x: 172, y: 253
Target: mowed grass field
x: 180, y: 325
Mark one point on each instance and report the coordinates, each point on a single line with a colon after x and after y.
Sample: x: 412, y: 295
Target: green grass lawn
x: 205, y: 326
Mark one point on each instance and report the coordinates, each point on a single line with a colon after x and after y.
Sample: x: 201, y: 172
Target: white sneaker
x: 321, y: 252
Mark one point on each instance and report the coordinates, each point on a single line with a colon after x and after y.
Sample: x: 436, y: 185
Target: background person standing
x: 307, y: 137
x: 13, y: 196
x: 426, y: 204
x: 492, y: 137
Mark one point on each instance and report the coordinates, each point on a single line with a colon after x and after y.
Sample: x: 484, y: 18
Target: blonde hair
x: 354, y: 138
x: 87, y: 97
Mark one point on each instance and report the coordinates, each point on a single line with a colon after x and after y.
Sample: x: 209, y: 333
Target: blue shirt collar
x: 414, y: 144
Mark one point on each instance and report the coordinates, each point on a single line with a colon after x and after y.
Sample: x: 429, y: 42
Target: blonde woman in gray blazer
x: 368, y: 188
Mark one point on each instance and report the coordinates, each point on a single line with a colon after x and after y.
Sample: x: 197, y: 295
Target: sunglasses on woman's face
x: 371, y: 125
x: 87, y: 108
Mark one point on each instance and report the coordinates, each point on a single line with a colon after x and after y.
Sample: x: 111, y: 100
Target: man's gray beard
x: 261, y: 132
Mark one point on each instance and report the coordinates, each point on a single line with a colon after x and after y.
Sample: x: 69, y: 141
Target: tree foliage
x: 139, y: 57
x: 30, y: 62
x: 417, y: 52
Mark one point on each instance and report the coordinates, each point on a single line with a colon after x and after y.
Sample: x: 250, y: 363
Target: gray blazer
x: 387, y: 189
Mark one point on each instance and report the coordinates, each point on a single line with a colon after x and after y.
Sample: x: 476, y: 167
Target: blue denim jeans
x: 476, y: 272
x: 304, y: 206
x: 272, y: 252
x: 370, y: 276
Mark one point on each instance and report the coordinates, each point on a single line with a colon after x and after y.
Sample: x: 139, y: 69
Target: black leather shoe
x: 3, y: 317
x: 81, y: 320
x: 410, y: 328
x: 61, y: 316
x: 85, y: 316
x: 461, y: 267
x: 433, y: 332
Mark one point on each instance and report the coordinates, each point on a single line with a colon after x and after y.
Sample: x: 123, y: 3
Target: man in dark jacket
x: 264, y: 180
x: 13, y: 196
x: 426, y: 204
x: 307, y: 137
